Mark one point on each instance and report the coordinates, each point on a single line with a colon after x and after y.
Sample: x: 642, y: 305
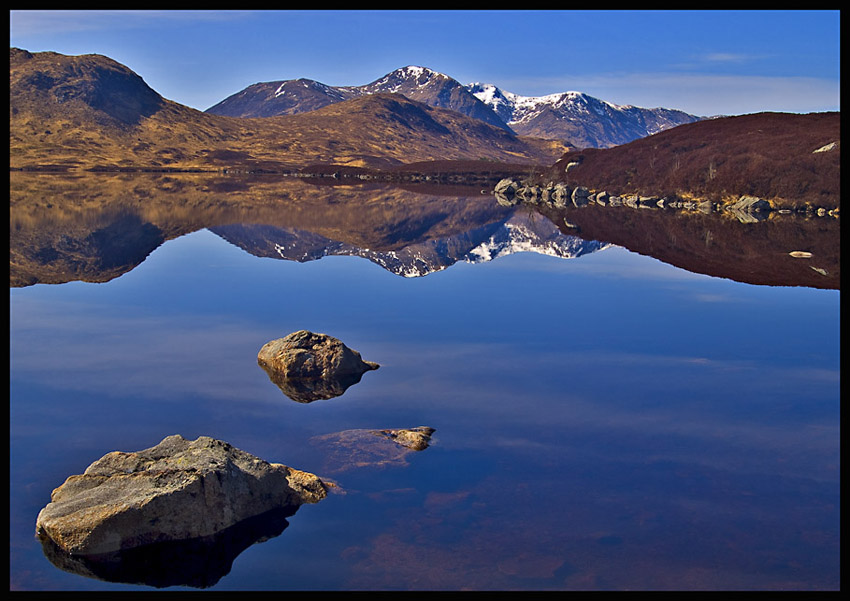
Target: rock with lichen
x: 307, y: 366
x: 176, y: 490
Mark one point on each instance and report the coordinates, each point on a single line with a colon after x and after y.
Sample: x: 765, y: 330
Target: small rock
x: 580, y: 196
x: 750, y: 204
x: 560, y: 195
x: 507, y: 186
x: 705, y: 206
x: 647, y: 202
x: 309, y: 366
x: 416, y: 439
x: 826, y: 148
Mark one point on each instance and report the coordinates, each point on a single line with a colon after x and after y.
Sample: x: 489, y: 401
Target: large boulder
x: 307, y: 366
x: 176, y: 490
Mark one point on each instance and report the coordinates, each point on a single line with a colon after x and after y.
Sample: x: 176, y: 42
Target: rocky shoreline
x: 519, y: 184
x: 513, y: 191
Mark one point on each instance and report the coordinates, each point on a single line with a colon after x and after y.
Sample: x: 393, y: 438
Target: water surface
x: 604, y: 420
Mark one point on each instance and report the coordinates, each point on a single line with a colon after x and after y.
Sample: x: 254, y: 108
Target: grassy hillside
x: 770, y: 155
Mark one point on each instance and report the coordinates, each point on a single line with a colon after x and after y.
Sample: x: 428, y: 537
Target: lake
x: 622, y: 399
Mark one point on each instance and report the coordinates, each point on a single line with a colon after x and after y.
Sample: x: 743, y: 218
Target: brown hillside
x: 84, y: 112
x: 770, y: 155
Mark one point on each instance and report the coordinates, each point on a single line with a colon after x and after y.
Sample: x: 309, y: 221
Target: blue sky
x: 703, y: 62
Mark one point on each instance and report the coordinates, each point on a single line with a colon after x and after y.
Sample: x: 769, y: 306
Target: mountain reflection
x: 95, y: 228
x: 520, y: 231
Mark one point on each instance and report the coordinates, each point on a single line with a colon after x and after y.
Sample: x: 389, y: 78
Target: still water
x: 603, y: 419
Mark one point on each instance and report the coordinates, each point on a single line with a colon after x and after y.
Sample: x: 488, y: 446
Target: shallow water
x: 602, y: 422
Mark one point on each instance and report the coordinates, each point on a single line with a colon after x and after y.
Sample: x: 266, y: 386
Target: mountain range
x: 91, y: 112
x: 574, y: 118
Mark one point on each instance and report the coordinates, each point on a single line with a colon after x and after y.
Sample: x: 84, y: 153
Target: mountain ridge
x: 91, y: 112
x: 300, y: 95
x: 572, y: 114
x: 575, y: 118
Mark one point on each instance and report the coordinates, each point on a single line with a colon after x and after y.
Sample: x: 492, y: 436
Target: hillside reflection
x: 95, y: 228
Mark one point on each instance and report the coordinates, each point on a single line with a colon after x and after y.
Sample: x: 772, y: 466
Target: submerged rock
x: 178, y: 490
x: 416, y: 439
x: 352, y: 449
x: 308, y: 366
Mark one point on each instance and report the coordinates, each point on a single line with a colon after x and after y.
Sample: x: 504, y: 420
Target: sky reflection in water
x: 601, y: 422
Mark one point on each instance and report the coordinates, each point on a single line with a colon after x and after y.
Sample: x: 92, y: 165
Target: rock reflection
x: 197, y: 563
x: 307, y: 390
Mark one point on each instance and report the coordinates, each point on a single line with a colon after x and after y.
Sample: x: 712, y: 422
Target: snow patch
x: 524, y: 108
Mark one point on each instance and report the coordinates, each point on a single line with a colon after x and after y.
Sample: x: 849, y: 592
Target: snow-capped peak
x: 410, y: 74
x: 489, y: 94
x: 304, y: 83
x: 415, y: 72
x: 513, y: 107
